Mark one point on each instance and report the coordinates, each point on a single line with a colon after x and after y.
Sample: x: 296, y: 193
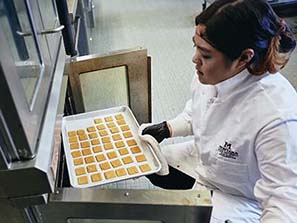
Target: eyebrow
x: 200, y: 47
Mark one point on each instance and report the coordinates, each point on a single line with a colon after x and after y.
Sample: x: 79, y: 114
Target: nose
x: 197, y: 58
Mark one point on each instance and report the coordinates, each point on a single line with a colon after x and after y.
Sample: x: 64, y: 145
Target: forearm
x: 180, y: 126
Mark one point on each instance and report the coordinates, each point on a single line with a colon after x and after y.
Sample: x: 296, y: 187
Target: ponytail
x: 278, y: 53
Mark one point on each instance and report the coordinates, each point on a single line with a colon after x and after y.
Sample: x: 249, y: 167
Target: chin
x: 202, y: 80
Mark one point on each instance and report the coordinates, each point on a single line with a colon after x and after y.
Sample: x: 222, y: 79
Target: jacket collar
x: 225, y: 87
x: 228, y: 86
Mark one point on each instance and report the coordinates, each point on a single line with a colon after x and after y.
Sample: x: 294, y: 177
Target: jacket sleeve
x: 276, y: 151
x: 181, y: 125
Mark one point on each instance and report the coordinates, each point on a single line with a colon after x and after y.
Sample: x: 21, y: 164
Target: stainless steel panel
x: 29, y: 66
x: 167, y: 206
x: 24, y: 119
x: 36, y: 176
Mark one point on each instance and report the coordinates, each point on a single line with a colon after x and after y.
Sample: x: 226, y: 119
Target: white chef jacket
x: 245, y: 145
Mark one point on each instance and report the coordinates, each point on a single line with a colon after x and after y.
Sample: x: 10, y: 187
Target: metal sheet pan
x: 85, y: 120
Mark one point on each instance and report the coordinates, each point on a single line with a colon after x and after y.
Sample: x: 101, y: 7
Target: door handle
x: 43, y: 32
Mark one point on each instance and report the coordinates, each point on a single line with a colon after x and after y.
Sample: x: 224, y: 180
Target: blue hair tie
x: 262, y: 44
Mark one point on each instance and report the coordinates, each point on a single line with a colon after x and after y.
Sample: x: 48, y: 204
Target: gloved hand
x: 158, y: 131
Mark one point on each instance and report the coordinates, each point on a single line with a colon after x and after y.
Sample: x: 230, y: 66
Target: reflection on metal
x: 167, y: 206
x: 138, y: 75
x: 43, y: 32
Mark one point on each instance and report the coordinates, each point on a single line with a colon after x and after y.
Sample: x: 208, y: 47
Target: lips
x: 199, y: 72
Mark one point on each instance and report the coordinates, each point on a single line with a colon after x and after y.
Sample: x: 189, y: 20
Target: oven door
x: 113, y: 79
x: 29, y: 44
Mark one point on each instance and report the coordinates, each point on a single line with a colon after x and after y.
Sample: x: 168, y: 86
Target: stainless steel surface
x: 43, y: 32
x: 82, y: 121
x: 36, y: 175
x: 136, y: 62
x: 23, y: 202
x: 167, y: 206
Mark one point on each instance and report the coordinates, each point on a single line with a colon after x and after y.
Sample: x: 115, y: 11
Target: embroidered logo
x: 226, y: 151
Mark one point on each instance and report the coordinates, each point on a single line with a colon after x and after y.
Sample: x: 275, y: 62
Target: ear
x: 246, y: 56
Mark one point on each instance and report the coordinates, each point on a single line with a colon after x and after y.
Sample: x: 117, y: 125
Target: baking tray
x: 82, y: 122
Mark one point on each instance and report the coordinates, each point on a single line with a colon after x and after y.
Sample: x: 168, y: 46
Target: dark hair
x: 235, y: 25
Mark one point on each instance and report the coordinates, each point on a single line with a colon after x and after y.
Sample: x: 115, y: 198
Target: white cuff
x: 180, y: 127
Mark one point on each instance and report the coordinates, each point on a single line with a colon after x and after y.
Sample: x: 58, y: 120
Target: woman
x: 243, y: 115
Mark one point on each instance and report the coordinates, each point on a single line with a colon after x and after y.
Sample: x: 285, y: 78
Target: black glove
x: 158, y: 131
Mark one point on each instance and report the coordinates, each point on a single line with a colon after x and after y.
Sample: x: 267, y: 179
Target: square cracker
x: 123, y: 151
x: 96, y: 177
x: 80, y: 171
x: 76, y: 154
x: 89, y: 159
x: 131, y: 142
x: 121, y: 172
x: 82, y: 180
x: 119, y: 116
x: 110, y: 174
x: 104, y: 166
x: 132, y: 170
x: 145, y: 168
x: 97, y: 120
x: 140, y: 158
x: 71, y: 133
x: 91, y: 129
x: 97, y: 149
x: 91, y: 168
x: 135, y: 149
x: 119, y: 144
x: 100, y: 157
x: 116, y: 137
x: 127, y: 160
x: 116, y: 163
x: 74, y: 146
x: 111, y: 155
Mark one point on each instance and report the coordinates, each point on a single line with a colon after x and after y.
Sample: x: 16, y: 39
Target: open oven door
x: 118, y: 78
x: 102, y: 81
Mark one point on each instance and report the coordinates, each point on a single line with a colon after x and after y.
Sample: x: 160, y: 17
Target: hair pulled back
x: 235, y: 25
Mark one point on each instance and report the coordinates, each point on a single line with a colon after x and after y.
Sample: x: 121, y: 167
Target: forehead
x: 199, y: 31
